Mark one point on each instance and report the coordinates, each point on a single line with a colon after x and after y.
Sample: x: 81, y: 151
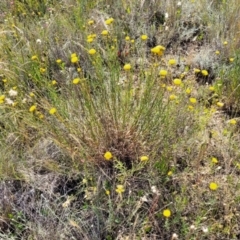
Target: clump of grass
x: 106, y: 134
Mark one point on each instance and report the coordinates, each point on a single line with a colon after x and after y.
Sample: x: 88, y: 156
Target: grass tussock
x: 119, y: 120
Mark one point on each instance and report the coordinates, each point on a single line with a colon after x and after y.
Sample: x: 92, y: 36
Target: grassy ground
x: 119, y: 119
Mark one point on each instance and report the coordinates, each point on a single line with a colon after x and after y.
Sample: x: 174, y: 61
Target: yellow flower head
x: 42, y: 70
x: 52, y: 111
x: 34, y: 57
x: 214, y: 160
x: 204, y: 72
x: 54, y: 82
x: 127, y: 38
x: 108, y: 156
x: 127, y: 67
x: 196, y: 70
x: 144, y: 37
x: 120, y: 189
x: 188, y: 90
x: 144, y: 158
x: 172, y: 62
x: 213, y: 186
x: 163, y: 73
x: 31, y: 94
x: 220, y: 104
x: 2, y: 97
x: 32, y: 108
x: 158, y: 50
x: 89, y: 40
x: 225, y: 43
x: 172, y: 97
x: 231, y: 59
x: 211, y: 88
x: 217, y: 52
x: 90, y: 22
x: 169, y: 88
x: 167, y: 213
x: 74, y: 59
x: 104, y: 32
x: 92, y: 51
x: 58, y: 61
x: 76, y: 80
x: 233, y: 121
x: 190, y: 107
x: 177, y: 81
x: 192, y: 100
x: 109, y: 21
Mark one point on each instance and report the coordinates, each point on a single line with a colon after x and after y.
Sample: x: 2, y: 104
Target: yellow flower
x: 225, y: 43
x: 144, y: 37
x: 31, y: 94
x: 109, y: 21
x: 107, y: 192
x: 211, y: 88
x: 220, y: 104
x: 32, y: 108
x: 172, y: 97
x: 2, y: 97
x: 196, y: 70
x: 158, y: 50
x: 132, y: 41
x: 192, y: 100
x: 169, y: 88
x: 204, y: 72
x: 52, y: 111
x: 42, y: 70
x: 58, y: 61
x: 89, y: 40
x: 108, y: 156
x: 90, y: 22
x: 213, y: 186
x: 74, y: 59
x: 170, y: 173
x: 127, y: 38
x: 217, y: 52
x: 188, y: 90
x: 214, y: 160
x: 73, y: 55
x: 34, y: 57
x: 76, y: 80
x: 163, y: 73
x: 104, y: 32
x: 127, y: 67
x: 190, y: 107
x: 172, y: 62
x: 167, y: 213
x: 92, y: 51
x: 54, y: 82
x: 177, y: 81
x: 231, y: 59
x: 233, y: 121
x: 40, y: 116
x: 92, y: 36
x: 120, y: 189
x: 144, y: 158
